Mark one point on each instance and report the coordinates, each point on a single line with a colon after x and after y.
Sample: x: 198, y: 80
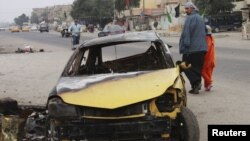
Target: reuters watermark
x: 220, y: 132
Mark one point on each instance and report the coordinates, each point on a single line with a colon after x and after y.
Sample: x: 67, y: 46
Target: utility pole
x: 143, y: 6
x: 114, y: 14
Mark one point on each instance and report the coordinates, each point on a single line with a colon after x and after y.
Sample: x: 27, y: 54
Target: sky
x: 9, y: 9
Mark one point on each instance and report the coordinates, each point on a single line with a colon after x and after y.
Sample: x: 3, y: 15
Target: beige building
x: 244, y: 6
x: 163, y: 12
x: 54, y: 13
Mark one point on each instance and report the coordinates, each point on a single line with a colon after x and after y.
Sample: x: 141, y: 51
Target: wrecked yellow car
x: 119, y: 87
x: 122, y: 87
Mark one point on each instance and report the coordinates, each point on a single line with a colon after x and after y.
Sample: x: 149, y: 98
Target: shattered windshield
x: 120, y: 58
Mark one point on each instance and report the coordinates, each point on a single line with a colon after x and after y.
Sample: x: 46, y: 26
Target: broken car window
x: 120, y: 58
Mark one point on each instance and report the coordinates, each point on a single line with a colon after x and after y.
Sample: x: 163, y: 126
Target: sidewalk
x: 29, y: 77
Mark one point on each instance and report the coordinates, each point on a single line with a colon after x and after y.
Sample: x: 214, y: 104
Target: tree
x: 121, y: 5
x: 212, y: 7
x: 100, y: 8
x: 45, y: 16
x: 94, y: 8
x: 93, y: 11
x: 21, y: 19
x: 34, y: 18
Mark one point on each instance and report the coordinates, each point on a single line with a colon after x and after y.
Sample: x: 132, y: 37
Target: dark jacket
x: 193, y: 37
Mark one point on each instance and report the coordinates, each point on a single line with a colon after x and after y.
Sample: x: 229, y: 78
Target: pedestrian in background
x: 193, y: 46
x: 75, y: 29
x: 209, y: 60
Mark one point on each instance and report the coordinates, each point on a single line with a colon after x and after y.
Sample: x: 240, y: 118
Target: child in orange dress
x: 209, y: 60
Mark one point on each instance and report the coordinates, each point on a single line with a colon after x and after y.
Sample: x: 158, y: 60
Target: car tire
x: 186, y: 127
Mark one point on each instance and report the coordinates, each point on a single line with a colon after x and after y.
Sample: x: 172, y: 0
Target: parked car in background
x: 111, y: 29
x: 44, y: 27
x: 3, y: 28
x: 15, y: 28
x: 33, y: 28
x: 25, y: 28
x: 224, y: 21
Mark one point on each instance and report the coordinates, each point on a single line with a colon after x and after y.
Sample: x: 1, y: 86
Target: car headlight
x: 57, y: 108
x: 165, y: 102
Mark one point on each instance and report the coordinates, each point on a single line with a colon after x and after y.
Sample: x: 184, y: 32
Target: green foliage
x: 92, y: 9
x: 45, y: 15
x: 121, y: 5
x: 21, y: 19
x: 100, y: 8
x: 212, y: 7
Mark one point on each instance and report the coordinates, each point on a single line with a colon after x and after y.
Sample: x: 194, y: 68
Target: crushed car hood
x: 112, y: 91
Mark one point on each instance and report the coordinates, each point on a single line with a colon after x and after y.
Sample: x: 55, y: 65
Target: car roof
x: 112, y: 28
x: 123, y: 38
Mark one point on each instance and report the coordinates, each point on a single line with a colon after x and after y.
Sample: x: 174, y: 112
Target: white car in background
x: 3, y: 28
x: 33, y: 28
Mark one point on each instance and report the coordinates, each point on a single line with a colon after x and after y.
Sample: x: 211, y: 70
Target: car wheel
x: 186, y: 127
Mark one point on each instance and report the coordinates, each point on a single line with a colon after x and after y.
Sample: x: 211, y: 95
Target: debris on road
x: 21, y: 122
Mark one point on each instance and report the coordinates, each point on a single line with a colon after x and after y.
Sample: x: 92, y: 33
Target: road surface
x: 227, y: 103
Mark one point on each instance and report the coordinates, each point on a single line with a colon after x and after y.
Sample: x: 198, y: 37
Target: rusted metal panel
x: 9, y: 130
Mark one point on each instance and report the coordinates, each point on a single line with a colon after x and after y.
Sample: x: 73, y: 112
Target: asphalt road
x: 229, y: 100
x: 52, y: 37
x: 232, y: 63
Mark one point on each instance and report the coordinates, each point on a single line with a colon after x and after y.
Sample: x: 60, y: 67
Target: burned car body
x: 124, y: 87
x: 120, y: 87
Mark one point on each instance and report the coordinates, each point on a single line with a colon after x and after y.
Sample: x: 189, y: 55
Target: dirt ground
x: 29, y: 77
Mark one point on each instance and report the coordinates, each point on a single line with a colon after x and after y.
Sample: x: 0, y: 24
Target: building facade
x: 244, y: 6
x: 58, y: 13
x: 157, y: 14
